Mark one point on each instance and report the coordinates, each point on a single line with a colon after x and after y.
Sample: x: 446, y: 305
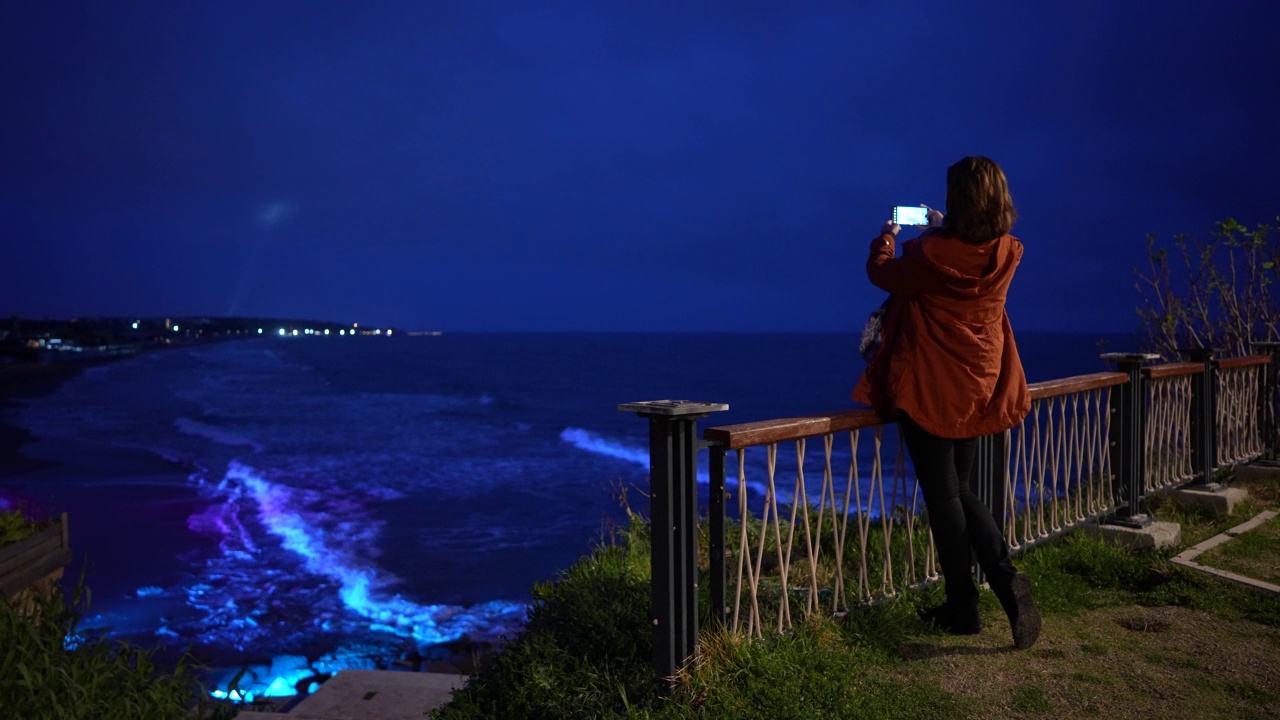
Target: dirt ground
x: 1125, y: 662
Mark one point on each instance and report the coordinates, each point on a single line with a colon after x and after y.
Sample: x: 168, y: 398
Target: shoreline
x: 21, y: 381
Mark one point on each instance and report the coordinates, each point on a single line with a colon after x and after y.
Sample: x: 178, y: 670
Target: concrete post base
x: 1258, y: 471
x: 1217, y: 499
x: 1152, y: 535
x: 371, y: 695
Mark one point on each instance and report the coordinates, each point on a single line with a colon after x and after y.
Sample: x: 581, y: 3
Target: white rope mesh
x: 1238, y: 420
x: 1168, y: 432
x: 805, y: 561
x: 1056, y: 474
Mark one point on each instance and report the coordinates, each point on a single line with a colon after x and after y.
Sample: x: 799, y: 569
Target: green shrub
x: 1218, y: 292
x: 47, y: 670
x: 585, y: 651
x: 15, y: 526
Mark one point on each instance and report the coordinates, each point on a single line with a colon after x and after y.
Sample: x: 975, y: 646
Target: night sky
x: 602, y: 166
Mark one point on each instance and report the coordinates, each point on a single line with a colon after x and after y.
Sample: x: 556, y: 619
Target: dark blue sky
x: 606, y: 166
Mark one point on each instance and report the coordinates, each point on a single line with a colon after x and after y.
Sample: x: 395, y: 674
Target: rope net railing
x: 1239, y: 408
x: 800, y: 552
x: 829, y: 514
x: 1168, y: 441
x: 1060, y: 474
x: 815, y: 514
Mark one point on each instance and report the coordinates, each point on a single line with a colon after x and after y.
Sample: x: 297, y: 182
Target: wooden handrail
x: 1075, y: 384
x: 1173, y: 369
x: 1243, y: 361
x: 766, y: 432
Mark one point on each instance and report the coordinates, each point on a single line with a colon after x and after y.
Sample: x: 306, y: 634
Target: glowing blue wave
x: 594, y: 443
x: 327, y: 549
x: 591, y: 442
x: 359, y: 583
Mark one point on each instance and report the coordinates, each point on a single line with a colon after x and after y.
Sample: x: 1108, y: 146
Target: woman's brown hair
x: 979, y: 207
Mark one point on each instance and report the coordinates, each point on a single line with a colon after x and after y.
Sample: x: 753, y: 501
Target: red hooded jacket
x: 949, y: 359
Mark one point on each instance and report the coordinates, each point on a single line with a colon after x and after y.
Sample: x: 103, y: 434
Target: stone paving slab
x: 371, y: 695
x: 1260, y: 584
x: 1248, y: 525
x: 1201, y: 548
x: 1187, y: 557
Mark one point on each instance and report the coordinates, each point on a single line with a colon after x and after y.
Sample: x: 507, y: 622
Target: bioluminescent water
x: 304, y: 505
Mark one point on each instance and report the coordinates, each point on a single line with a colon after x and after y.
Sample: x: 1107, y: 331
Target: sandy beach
x: 21, y: 381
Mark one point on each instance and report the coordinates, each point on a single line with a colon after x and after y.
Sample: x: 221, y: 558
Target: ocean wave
x: 595, y: 443
x: 219, y: 435
x: 331, y: 549
x: 591, y: 442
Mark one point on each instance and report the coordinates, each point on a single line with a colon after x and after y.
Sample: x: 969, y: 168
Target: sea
x: 300, y: 505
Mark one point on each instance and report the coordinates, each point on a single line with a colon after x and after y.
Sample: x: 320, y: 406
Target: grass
x: 1254, y: 554
x: 1032, y: 699
x: 1125, y: 635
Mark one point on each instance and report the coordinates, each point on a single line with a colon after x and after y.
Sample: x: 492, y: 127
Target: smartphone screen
x: 909, y: 215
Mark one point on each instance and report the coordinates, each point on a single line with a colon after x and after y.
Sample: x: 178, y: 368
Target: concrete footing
x: 1258, y: 471
x: 1150, y: 535
x: 371, y: 695
x: 1217, y: 499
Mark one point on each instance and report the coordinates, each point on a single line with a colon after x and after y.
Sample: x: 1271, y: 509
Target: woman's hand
x: 892, y: 228
x: 935, y: 216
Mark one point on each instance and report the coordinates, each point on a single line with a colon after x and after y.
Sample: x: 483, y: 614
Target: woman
x: 948, y: 372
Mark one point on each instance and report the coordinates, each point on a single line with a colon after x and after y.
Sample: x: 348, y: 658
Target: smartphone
x: 910, y: 215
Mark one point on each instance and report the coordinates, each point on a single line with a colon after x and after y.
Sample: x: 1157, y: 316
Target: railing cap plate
x: 672, y: 407
x: 1129, y: 357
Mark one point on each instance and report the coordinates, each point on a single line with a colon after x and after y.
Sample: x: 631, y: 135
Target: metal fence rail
x: 808, y: 546
x: 828, y: 513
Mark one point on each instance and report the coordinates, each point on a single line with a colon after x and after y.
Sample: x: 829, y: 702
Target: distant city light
x: 175, y: 328
x: 282, y: 331
x: 326, y: 331
x: 259, y: 331
x: 355, y: 324
x: 295, y: 332
x: 388, y: 333
x: 342, y: 332
x: 135, y: 326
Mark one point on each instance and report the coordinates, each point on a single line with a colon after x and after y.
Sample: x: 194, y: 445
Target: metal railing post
x: 1128, y: 441
x: 1204, y: 417
x: 715, y: 543
x: 673, y: 523
x: 1268, y: 411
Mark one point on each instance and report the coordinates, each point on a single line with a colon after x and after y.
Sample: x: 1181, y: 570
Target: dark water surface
x: 343, y: 499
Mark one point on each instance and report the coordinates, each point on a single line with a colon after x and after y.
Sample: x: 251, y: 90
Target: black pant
x: 958, y: 519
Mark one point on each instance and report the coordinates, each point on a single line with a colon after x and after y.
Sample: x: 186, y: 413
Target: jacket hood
x: 969, y: 270
x: 971, y: 280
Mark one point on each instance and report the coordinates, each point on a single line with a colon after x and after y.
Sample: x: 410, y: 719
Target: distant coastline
x: 38, y: 355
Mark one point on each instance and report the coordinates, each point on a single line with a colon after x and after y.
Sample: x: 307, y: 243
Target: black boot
x: 1024, y: 617
x: 954, y: 619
